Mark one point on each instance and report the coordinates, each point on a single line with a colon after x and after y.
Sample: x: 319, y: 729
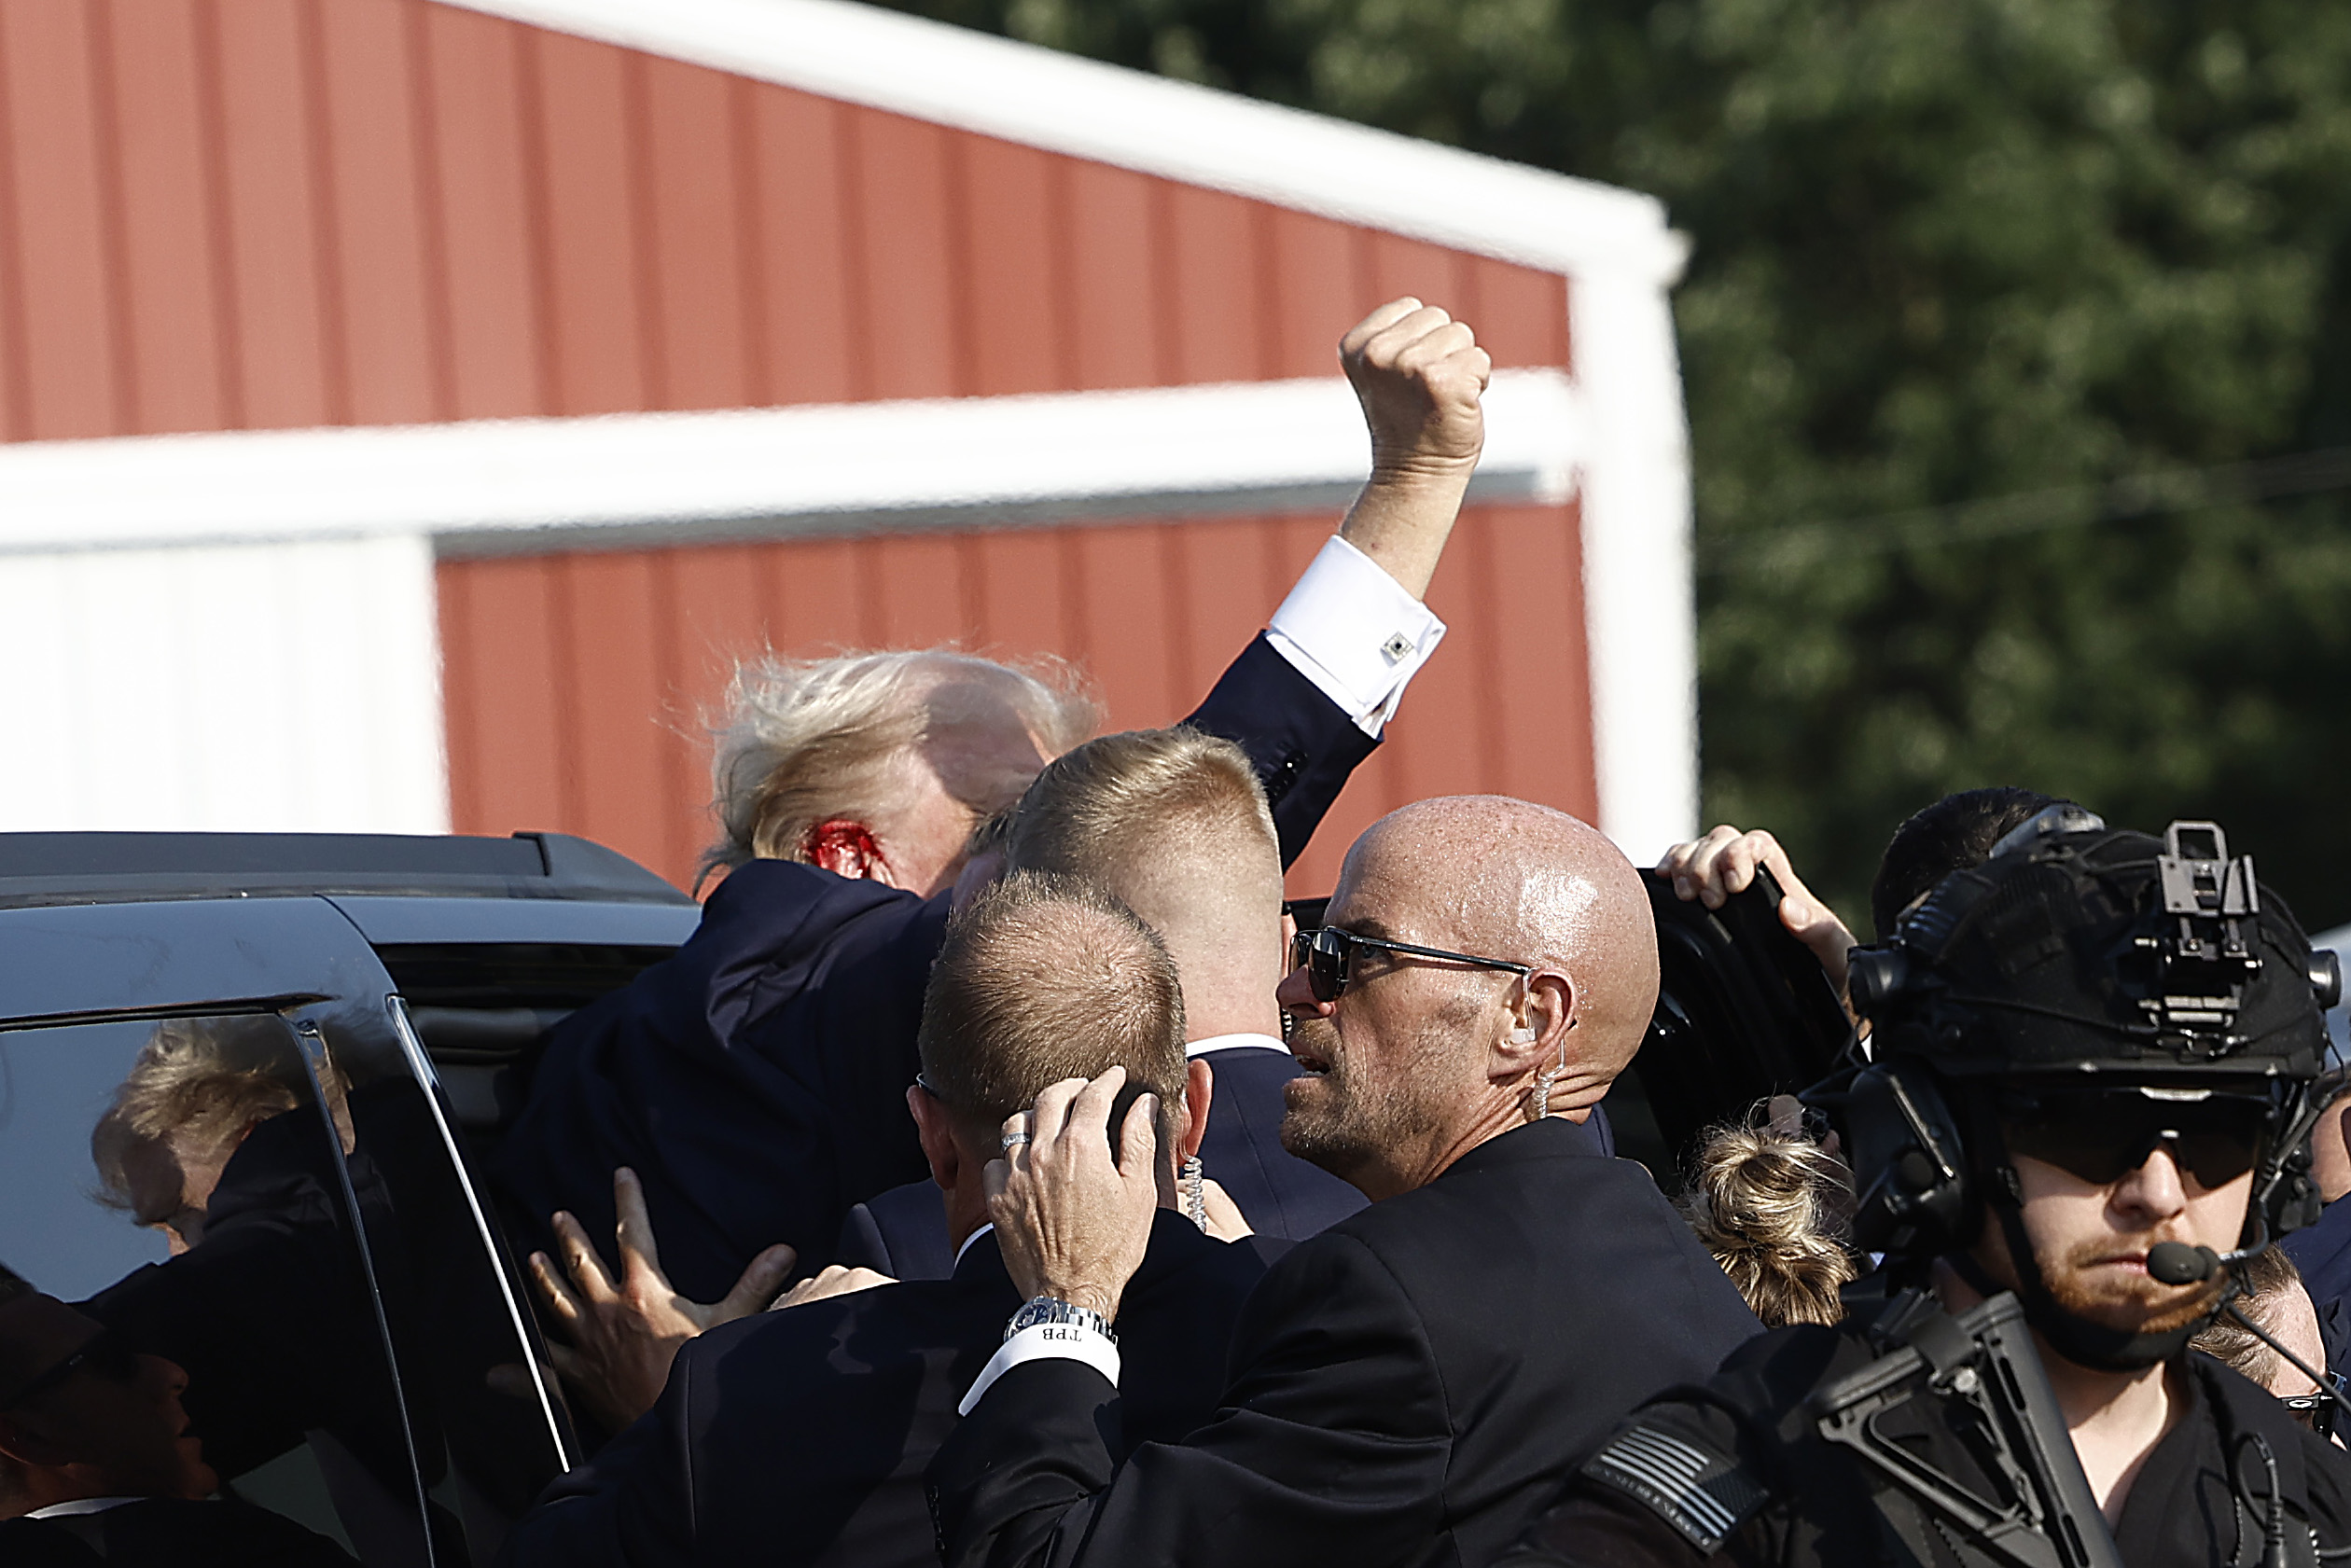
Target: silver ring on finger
x: 1011, y: 1141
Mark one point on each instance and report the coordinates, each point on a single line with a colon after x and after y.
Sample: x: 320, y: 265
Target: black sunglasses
x: 1327, y: 953
x: 105, y: 1356
x: 2101, y: 1135
x: 2316, y: 1411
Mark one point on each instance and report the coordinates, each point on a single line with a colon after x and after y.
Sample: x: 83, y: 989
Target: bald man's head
x: 1422, y: 1058
x: 1514, y: 878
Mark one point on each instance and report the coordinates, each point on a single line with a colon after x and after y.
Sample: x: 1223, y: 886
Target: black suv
x: 243, y: 1081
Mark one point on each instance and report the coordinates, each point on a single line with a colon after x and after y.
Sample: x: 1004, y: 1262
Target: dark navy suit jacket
x: 756, y: 1081
x: 903, y: 1232
x: 2323, y: 1254
x: 1406, y: 1387
x: 801, y: 1437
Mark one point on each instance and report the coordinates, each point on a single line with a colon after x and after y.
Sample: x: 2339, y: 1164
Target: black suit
x: 1407, y: 1386
x: 756, y: 1080
x: 167, y: 1532
x: 801, y: 1437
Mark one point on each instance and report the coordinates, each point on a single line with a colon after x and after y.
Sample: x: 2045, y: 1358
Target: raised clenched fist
x: 1419, y: 374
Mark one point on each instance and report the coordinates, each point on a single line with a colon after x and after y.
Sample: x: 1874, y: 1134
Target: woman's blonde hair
x: 1772, y: 1206
x: 802, y: 742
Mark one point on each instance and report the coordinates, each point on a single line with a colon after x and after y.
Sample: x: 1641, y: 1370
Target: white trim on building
x: 515, y: 485
x: 288, y: 686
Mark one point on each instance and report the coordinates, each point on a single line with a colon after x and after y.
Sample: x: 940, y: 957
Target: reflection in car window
x: 484, y: 1439
x: 178, y: 1199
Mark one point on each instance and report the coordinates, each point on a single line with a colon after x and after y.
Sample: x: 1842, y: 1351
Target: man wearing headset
x: 2085, y: 1052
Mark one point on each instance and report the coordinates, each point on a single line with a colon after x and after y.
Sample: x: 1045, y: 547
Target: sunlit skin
x: 1422, y: 1060
x: 2091, y: 1243
x: 91, y: 1436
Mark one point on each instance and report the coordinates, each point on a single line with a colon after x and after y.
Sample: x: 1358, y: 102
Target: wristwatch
x: 1042, y: 1309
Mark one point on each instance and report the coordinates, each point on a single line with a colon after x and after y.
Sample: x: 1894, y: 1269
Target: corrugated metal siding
x: 241, y: 213
x: 574, y: 683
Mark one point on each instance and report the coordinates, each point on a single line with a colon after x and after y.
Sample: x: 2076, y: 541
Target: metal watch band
x: 1052, y: 1310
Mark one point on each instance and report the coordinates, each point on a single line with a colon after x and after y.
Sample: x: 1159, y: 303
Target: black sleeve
x: 1332, y: 1446
x: 1596, y: 1527
x: 862, y: 1245
x: 629, y: 1506
x: 1302, y: 743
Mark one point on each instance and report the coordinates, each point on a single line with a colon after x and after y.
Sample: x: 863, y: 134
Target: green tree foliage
x: 1945, y: 250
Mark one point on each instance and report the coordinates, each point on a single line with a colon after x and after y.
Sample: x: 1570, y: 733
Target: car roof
x: 54, y: 868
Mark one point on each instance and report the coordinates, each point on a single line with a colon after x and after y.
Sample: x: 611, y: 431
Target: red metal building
x: 581, y: 216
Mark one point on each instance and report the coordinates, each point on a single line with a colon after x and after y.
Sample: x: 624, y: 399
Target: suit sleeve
x: 862, y: 1245
x: 1332, y: 1446
x: 1302, y: 744
x: 629, y: 1506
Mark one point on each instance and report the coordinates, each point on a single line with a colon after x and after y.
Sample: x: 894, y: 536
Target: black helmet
x: 2075, y: 958
x: 2077, y: 949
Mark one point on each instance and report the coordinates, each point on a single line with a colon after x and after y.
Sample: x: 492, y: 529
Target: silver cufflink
x: 1398, y: 647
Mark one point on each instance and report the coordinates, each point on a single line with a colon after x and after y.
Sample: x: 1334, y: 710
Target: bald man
x: 1403, y: 1382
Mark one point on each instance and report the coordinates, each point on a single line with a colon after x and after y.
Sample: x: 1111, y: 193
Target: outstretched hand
x: 1069, y: 1223
x: 1712, y: 868
x: 625, y: 1333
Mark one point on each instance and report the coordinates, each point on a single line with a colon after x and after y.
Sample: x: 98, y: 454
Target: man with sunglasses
x: 97, y: 1461
x: 1405, y: 1383
x: 2085, y: 1050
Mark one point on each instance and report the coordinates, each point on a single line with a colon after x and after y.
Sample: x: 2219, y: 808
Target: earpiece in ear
x: 1523, y: 1035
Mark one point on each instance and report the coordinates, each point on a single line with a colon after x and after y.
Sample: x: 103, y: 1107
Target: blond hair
x: 802, y: 742
x: 197, y: 1085
x: 1081, y: 818
x: 1770, y: 1205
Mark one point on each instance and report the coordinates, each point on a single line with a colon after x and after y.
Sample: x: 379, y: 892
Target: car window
x: 189, y: 1186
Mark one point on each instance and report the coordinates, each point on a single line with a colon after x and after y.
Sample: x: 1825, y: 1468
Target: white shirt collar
x: 968, y: 1239
x: 1197, y: 1049
x: 81, y: 1506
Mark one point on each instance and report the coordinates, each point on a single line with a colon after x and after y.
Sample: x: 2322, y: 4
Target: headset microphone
x: 2177, y: 1263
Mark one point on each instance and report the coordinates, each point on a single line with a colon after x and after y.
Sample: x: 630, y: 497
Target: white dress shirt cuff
x: 1067, y: 1341
x: 1352, y: 631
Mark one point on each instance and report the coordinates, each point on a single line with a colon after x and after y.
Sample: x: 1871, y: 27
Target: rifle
x: 2042, y: 1513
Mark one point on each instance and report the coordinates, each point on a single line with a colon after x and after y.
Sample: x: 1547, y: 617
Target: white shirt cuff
x: 1352, y: 631
x: 1067, y: 1342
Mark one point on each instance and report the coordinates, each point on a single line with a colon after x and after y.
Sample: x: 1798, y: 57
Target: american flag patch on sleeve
x: 1699, y: 1492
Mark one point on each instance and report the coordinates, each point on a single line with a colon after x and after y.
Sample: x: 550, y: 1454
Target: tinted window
x: 187, y: 1185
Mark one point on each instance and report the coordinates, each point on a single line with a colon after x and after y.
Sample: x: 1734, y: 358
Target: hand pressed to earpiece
x: 1070, y: 1224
